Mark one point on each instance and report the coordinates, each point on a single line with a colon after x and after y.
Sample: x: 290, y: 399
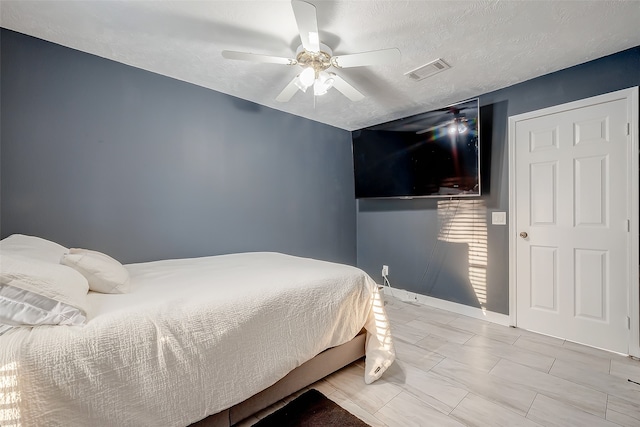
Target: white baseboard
x: 454, y: 307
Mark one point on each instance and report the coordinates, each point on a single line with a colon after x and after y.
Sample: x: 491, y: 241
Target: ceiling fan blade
x: 254, y: 57
x: 346, y: 89
x: 374, y: 57
x: 305, y: 14
x: 288, y: 91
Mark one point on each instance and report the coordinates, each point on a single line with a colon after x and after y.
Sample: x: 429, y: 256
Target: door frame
x: 630, y: 95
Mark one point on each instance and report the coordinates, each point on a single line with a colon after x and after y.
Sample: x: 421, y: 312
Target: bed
x: 207, y: 340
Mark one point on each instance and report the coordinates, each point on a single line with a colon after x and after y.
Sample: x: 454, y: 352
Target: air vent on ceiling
x: 428, y: 70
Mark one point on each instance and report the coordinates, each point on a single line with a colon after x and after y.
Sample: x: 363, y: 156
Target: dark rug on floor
x: 311, y: 409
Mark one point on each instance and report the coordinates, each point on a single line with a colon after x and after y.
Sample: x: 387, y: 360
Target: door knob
x: 524, y: 234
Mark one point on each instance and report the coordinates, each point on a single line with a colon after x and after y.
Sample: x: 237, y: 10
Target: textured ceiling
x: 489, y: 44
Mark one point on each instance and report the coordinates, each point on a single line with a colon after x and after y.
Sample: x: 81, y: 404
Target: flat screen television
x: 433, y: 154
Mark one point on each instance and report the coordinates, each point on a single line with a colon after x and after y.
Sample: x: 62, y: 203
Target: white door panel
x: 591, y: 284
x: 590, y: 180
x: 543, y: 186
x: 571, y: 190
x: 544, y: 278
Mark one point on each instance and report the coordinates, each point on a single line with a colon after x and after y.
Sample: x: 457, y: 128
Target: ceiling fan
x: 316, y: 58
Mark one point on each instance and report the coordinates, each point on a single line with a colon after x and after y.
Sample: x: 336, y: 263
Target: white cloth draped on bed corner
x: 193, y: 337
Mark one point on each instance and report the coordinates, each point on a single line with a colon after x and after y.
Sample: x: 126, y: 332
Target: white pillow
x: 32, y: 247
x: 36, y: 293
x: 104, y: 273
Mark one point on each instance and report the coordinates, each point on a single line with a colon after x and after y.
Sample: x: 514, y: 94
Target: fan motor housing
x: 319, y: 61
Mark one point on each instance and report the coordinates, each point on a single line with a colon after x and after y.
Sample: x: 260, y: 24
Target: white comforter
x: 193, y: 337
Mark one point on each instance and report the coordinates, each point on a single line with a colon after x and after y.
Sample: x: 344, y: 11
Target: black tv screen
x: 433, y: 154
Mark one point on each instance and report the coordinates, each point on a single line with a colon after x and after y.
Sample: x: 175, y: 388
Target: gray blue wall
x: 101, y: 155
x: 98, y: 154
x: 404, y: 233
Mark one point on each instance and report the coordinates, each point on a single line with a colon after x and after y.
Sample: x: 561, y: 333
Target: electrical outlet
x: 385, y: 270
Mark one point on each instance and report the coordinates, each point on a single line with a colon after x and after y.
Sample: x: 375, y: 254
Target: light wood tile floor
x: 453, y: 370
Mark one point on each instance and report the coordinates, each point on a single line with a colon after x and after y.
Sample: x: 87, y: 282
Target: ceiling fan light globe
x: 323, y: 83
x: 325, y: 79
x: 329, y: 83
x: 300, y: 85
x: 307, y: 77
x: 319, y: 88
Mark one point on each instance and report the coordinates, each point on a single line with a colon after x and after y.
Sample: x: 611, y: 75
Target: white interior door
x: 572, y: 222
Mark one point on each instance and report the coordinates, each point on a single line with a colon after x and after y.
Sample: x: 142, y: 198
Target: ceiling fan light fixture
x: 307, y: 77
x: 325, y: 78
x: 323, y: 83
x: 320, y: 88
x: 315, y: 58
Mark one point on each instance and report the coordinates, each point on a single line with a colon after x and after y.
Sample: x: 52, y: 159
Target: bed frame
x: 306, y: 374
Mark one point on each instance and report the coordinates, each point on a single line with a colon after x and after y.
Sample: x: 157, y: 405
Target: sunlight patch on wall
x: 465, y: 221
